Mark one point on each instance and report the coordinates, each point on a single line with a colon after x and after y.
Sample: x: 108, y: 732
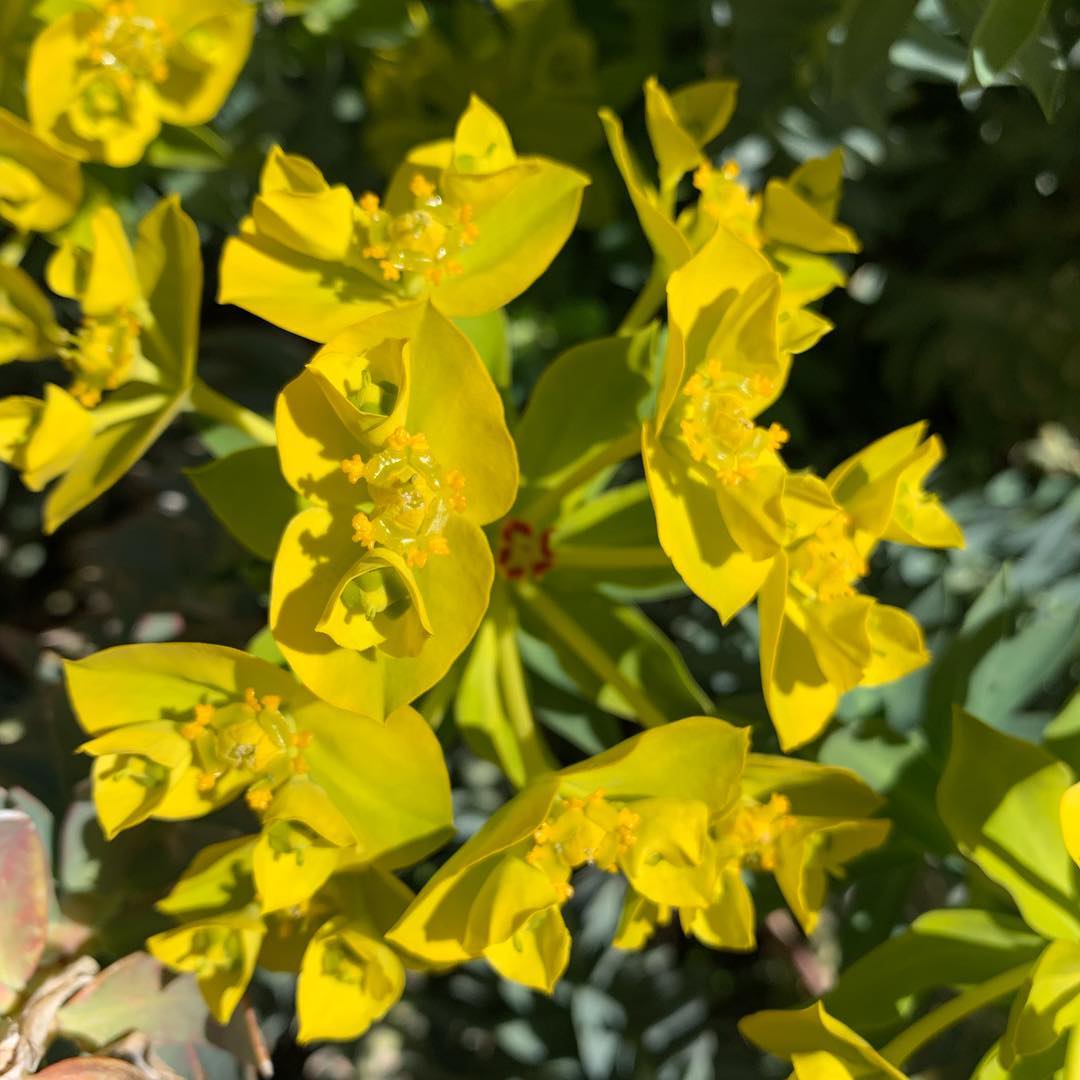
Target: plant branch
x: 215, y: 406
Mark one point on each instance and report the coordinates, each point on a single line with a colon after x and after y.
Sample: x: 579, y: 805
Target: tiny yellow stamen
x: 206, y: 782
x: 302, y: 739
x: 389, y: 271
x: 369, y: 202
x: 353, y: 468
x: 363, y: 530
x: 778, y: 435
x: 300, y: 766
x: 422, y: 188
x: 438, y: 545
x: 730, y: 170
x: 702, y: 175
x: 259, y: 798
x: 375, y: 251
x: 250, y: 700
x: 271, y: 702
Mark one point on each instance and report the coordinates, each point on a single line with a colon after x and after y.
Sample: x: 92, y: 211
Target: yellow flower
x: 132, y: 359
x: 40, y: 188
x: 499, y: 896
x: 820, y: 637
x: 395, y: 436
x: 715, y: 475
x: 466, y: 222
x: 101, y: 80
x: 179, y: 730
x: 799, y: 821
x: 331, y: 936
x: 818, y: 1046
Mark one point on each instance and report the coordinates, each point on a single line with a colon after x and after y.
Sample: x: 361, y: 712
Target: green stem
x: 934, y: 1023
x: 592, y: 655
x: 546, y: 505
x: 647, y: 303
x: 215, y: 406
x: 535, y: 758
x: 595, y: 556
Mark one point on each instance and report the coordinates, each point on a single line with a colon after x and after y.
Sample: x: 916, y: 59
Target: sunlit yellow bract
x: 467, y: 222
x: 40, y: 188
x: 395, y: 435
x: 102, y: 79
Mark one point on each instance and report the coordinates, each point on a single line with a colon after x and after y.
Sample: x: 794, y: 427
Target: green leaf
x: 488, y: 335
x: 1049, y: 1065
x: 1062, y: 734
x: 248, y: 495
x: 197, y: 149
x: 112, y: 452
x: 588, y: 398
x: 1000, y: 798
x: 871, y: 28
x: 492, y: 708
x: 616, y: 657
x: 952, y: 948
x: 1003, y: 29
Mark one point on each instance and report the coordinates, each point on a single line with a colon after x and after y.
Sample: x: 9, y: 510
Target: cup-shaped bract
x: 466, y: 222
x: 395, y: 435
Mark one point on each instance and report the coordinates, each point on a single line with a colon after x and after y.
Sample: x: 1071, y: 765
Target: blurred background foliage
x: 959, y: 119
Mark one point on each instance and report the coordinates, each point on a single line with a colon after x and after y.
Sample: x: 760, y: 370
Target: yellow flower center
x: 420, y: 244
x: 827, y: 565
x: 129, y: 43
x: 580, y: 831
x: 717, y: 424
x: 410, y: 497
x: 728, y: 201
x: 257, y: 738
x: 757, y: 829
x: 523, y: 551
x: 101, y: 355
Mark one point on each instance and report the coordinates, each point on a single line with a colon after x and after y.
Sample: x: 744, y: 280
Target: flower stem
x: 647, y: 303
x: 591, y: 654
x: 215, y: 406
x: 934, y: 1023
x: 546, y: 504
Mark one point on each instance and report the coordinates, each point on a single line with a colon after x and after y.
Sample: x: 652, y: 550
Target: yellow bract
x: 681, y: 811
x: 466, y: 222
x: 819, y: 636
x: 40, y: 188
x: 395, y: 436
x: 101, y: 80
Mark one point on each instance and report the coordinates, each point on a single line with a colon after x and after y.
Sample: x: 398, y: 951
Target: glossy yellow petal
x: 918, y: 518
x: 303, y: 801
x: 789, y: 219
x: 667, y: 862
x: 693, y: 535
x: 42, y: 439
x: 441, y: 926
x: 536, y: 955
x: 40, y: 188
x: 314, y: 547
x: 348, y: 980
x: 218, y: 876
x: 819, y: 1042
x: 808, y: 504
x: 729, y: 922
x: 482, y: 141
x: 220, y: 952
x: 753, y: 509
x: 840, y: 634
x: 811, y: 789
x: 799, y: 696
x: 638, y: 921
x: 681, y: 124
x: 290, y: 865
x: 1070, y: 821
x: 28, y: 328
x: 897, y: 643
x: 103, y: 278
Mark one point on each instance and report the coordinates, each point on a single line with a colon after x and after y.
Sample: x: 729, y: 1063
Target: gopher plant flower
x: 132, y: 358
x: 395, y: 435
x: 466, y: 222
x: 677, y: 810
x: 40, y: 188
x: 103, y: 78
x: 819, y: 636
x: 179, y: 730
x: 332, y: 937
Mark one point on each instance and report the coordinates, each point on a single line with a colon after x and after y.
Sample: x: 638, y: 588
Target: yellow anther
x: 192, y: 730
x: 416, y: 556
x: 353, y: 468
x: 596, y: 796
x: 300, y: 766
x: 574, y: 803
x: 422, y: 188
x: 455, y: 478
x: 302, y: 739
x: 271, y: 702
x: 363, y: 530
x: 259, y: 798
x: 369, y: 202
x: 702, y: 176
x: 778, y: 435
x: 389, y: 271
x: 730, y: 170
x: 438, y: 545
x: 398, y: 439
x: 470, y: 233
x: 375, y: 251
x: 454, y: 268
x: 533, y: 856
x: 563, y: 890
x: 542, y: 833
x: 434, y: 275
x: 206, y: 782
x: 250, y: 700
x: 762, y: 385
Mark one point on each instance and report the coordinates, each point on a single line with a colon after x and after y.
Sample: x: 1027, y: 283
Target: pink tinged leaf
x: 24, y: 898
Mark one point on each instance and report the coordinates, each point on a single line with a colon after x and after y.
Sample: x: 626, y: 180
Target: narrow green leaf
x: 1003, y: 29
